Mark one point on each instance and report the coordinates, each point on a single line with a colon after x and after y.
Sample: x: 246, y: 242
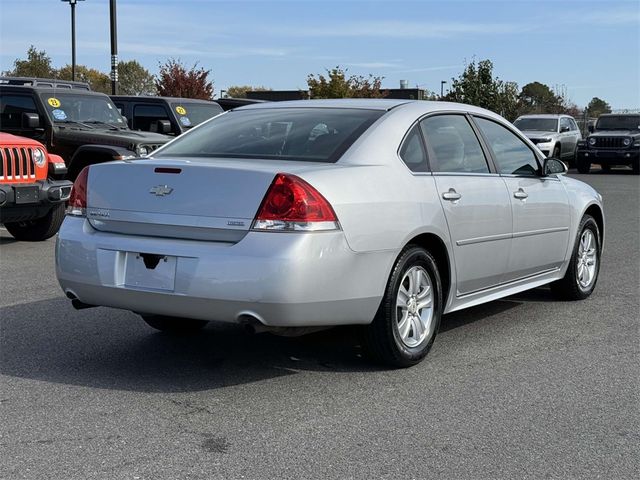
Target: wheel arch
x: 596, y: 212
x: 92, y: 154
x: 438, y: 248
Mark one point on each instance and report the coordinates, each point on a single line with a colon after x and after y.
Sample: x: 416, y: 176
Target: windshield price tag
x: 59, y: 114
x: 54, y: 102
x: 181, y: 110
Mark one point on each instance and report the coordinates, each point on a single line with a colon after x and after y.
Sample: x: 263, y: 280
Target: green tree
x: 175, y: 80
x: 337, y: 85
x: 597, y: 107
x: 134, y: 79
x: 536, y: 97
x: 240, y: 91
x: 37, y: 64
x: 477, y: 85
x: 97, y: 80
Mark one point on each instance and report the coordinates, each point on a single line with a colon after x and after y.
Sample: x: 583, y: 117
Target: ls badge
x: 161, y: 190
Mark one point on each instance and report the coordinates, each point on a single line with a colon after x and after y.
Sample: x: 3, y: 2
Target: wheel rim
x: 587, y: 259
x: 414, y: 306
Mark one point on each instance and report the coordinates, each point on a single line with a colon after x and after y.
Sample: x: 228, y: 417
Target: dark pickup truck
x: 81, y: 126
x: 613, y: 141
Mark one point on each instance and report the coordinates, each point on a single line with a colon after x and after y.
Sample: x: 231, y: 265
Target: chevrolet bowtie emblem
x: 161, y: 190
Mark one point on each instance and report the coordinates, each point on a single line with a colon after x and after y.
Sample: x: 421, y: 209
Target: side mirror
x: 564, y: 129
x: 30, y: 120
x: 590, y: 128
x: 161, y: 126
x: 164, y: 126
x: 553, y: 166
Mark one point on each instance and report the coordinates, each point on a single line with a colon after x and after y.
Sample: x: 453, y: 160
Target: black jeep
x: 81, y: 126
x: 614, y: 141
x: 167, y: 115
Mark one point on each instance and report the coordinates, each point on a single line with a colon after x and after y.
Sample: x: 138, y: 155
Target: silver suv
x: 555, y: 135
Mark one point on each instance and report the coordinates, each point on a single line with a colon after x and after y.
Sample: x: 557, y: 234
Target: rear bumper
x: 280, y: 279
x: 610, y: 157
x: 28, y: 201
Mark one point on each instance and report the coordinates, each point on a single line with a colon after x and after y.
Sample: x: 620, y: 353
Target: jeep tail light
x: 291, y: 204
x: 77, y: 205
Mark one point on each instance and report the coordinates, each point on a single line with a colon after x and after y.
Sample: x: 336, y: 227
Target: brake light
x: 291, y: 204
x: 78, y: 200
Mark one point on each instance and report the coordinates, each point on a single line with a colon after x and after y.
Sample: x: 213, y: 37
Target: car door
x: 575, y: 136
x: 566, y: 137
x: 539, y: 204
x: 474, y: 199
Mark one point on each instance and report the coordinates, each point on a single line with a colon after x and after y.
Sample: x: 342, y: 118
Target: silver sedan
x: 294, y: 216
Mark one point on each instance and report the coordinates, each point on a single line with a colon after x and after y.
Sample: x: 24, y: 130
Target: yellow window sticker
x: 54, y: 102
x: 181, y: 110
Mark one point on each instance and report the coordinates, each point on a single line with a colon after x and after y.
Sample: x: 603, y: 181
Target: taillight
x: 77, y: 204
x: 291, y: 204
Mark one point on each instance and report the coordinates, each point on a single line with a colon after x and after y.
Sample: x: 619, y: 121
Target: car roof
x: 39, y: 89
x: 545, y: 115
x: 419, y: 107
x: 155, y: 98
x: 364, y: 103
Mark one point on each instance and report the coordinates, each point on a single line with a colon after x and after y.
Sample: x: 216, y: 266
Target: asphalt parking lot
x: 524, y: 387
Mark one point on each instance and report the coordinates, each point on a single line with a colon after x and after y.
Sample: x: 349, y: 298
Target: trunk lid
x: 204, y: 199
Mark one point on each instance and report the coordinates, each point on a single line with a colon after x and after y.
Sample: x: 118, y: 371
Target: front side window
x: 565, y: 125
x: 145, y: 117
x: 412, y: 151
x: 512, y: 155
x: 454, y: 145
x: 12, y: 107
x: 296, y: 134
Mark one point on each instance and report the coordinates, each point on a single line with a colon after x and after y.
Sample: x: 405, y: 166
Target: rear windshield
x: 539, y: 124
x: 618, y: 122
x: 306, y: 134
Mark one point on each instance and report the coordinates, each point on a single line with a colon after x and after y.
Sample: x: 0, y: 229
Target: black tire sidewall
x: 587, y: 223
x: 413, y: 256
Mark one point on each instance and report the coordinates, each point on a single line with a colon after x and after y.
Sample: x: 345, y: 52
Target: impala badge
x: 161, y: 190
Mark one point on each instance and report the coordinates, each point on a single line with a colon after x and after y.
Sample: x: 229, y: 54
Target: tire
x: 385, y: 340
x: 636, y: 167
x: 40, y: 228
x: 557, y: 152
x: 572, y: 285
x: 583, y: 166
x: 173, y: 325
x: 606, y: 168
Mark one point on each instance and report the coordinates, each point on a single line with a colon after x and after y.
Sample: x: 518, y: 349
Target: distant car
x: 166, y: 115
x: 32, y: 197
x: 81, y: 126
x: 228, y: 103
x: 296, y: 215
x: 613, y: 141
x: 555, y: 135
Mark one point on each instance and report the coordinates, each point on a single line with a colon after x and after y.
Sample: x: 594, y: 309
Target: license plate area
x: 24, y: 195
x: 150, y: 271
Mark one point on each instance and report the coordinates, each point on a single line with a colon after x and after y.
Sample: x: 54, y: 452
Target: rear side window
x: 454, y: 145
x: 412, y: 151
x: 297, y: 134
x: 512, y: 155
x: 12, y: 107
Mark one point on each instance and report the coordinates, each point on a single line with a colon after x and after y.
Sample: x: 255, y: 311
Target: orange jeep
x: 32, y: 194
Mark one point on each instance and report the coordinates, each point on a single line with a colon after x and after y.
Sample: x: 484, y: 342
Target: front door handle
x: 451, y: 195
x: 521, y: 194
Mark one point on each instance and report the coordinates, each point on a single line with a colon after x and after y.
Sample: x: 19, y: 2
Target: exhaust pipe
x: 76, y: 303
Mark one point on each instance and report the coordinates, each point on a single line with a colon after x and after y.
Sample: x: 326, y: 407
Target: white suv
x: 555, y: 135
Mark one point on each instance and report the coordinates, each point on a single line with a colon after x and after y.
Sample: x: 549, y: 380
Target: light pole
x: 114, y: 47
x: 73, y: 36
x: 442, y: 82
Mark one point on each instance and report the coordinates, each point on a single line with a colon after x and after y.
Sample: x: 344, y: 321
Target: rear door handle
x: 451, y: 195
x: 521, y: 194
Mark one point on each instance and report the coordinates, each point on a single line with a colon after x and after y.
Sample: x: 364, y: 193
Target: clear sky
x: 589, y: 47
